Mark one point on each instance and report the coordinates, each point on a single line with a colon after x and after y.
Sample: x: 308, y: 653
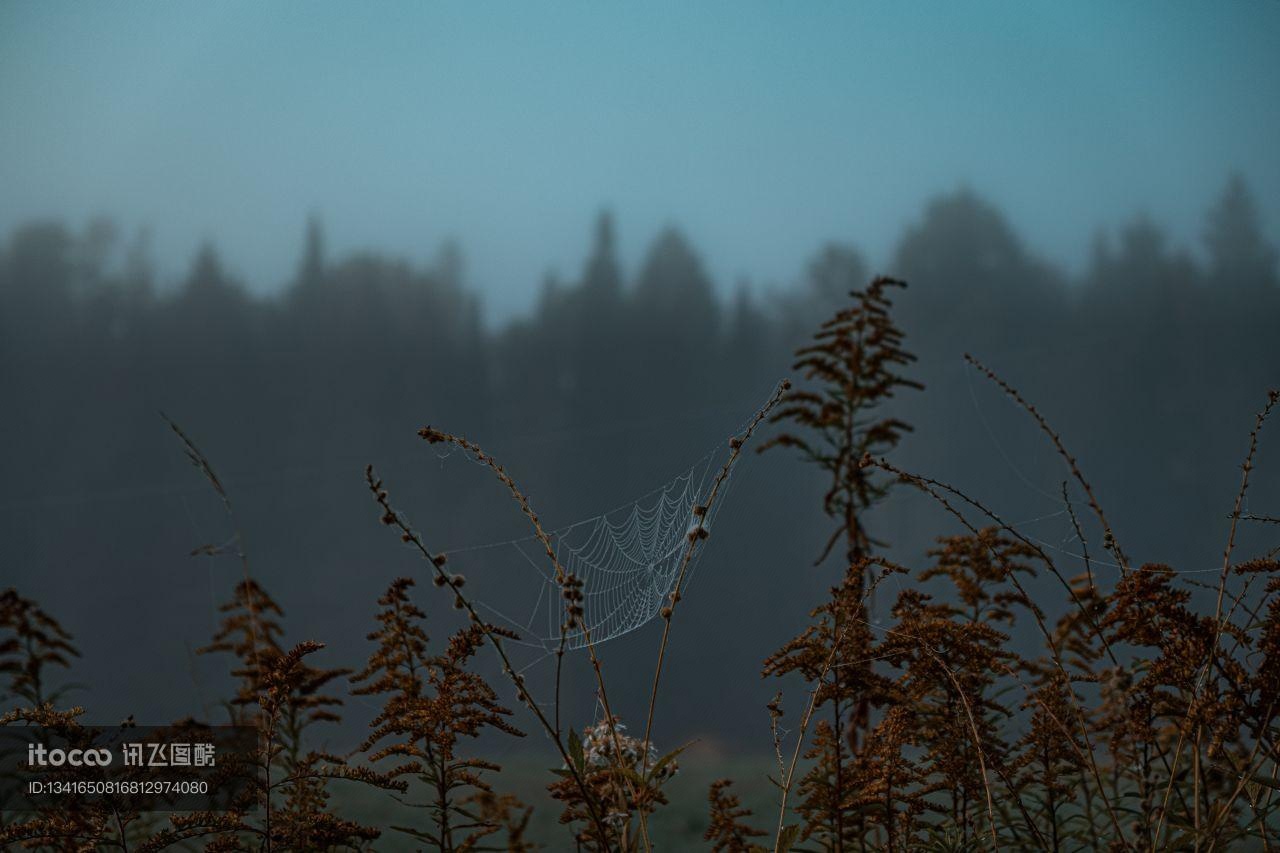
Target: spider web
x: 628, y: 559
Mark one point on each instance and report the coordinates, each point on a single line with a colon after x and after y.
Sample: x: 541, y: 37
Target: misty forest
x: 973, y: 595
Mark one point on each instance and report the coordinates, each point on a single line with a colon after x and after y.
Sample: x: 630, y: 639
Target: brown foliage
x: 30, y: 640
x: 854, y: 367
x: 430, y: 702
x: 728, y: 831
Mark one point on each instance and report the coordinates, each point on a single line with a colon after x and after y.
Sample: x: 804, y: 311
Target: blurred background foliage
x: 1150, y: 363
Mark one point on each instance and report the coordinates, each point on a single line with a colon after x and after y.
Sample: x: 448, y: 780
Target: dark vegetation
x: 992, y: 692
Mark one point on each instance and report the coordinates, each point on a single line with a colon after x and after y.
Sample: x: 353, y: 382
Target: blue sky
x: 763, y: 130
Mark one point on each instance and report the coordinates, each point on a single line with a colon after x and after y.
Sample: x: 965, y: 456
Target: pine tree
x: 1239, y: 255
x: 312, y: 265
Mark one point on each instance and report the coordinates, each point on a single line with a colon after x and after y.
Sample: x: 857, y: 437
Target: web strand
x: 627, y: 558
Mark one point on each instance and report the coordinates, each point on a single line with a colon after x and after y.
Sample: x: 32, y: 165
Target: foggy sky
x: 762, y: 130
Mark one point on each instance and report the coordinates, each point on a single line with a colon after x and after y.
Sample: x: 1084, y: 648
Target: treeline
x: 1150, y: 362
